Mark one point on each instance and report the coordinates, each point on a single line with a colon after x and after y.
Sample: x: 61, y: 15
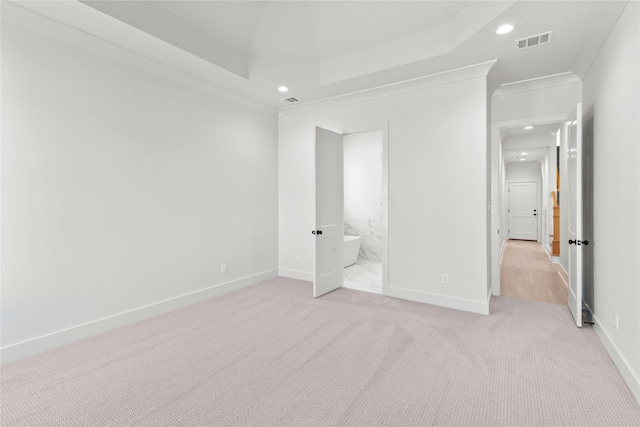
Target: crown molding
x: 438, y: 79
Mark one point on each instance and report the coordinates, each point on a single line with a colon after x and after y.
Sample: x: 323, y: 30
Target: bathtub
x: 350, y: 249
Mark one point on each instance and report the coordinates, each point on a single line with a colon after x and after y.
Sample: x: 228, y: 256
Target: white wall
x: 524, y: 171
x: 363, y: 175
x: 122, y: 192
x: 611, y: 126
x: 437, y: 184
x: 539, y: 98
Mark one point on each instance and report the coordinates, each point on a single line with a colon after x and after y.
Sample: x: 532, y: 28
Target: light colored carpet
x: 270, y: 355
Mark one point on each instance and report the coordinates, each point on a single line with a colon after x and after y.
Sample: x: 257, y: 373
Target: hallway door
x: 523, y: 210
x: 575, y: 226
x: 329, y: 228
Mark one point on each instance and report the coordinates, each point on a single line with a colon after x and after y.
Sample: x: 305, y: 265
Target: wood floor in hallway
x: 527, y: 272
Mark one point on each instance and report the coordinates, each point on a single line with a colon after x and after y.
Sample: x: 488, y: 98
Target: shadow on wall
x: 587, y: 211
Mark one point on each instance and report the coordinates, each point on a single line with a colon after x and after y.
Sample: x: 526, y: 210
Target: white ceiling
x: 321, y: 49
x: 535, y: 142
x: 537, y: 130
x: 532, y: 155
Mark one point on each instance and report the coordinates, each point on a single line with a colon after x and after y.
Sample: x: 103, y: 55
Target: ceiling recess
x: 290, y: 100
x: 533, y: 41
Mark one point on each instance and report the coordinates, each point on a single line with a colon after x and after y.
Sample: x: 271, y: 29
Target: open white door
x: 329, y: 231
x: 574, y: 176
x: 523, y: 210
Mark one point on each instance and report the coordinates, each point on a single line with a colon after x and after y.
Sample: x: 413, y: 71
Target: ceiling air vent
x: 290, y: 100
x: 533, y: 41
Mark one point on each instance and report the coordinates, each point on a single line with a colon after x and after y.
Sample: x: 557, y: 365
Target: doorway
x: 363, y: 211
x: 529, y: 181
x: 360, y: 243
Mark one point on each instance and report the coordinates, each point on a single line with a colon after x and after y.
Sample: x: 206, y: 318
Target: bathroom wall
x: 363, y: 192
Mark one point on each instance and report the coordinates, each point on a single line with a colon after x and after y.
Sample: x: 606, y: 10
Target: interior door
x: 329, y: 231
x: 523, y: 210
x: 574, y: 177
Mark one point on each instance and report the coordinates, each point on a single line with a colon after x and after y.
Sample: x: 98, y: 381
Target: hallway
x: 527, y: 272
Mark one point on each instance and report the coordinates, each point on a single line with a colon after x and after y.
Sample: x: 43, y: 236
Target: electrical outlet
x: 445, y: 279
x: 299, y: 258
x: 223, y: 268
x: 615, y: 321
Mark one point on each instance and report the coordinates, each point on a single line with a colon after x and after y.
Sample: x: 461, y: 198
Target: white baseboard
x: 630, y: 377
x: 480, y: 307
x: 75, y: 333
x: 295, y: 274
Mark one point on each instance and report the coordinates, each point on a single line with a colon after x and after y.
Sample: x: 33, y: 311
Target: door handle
x: 579, y: 242
x: 316, y: 232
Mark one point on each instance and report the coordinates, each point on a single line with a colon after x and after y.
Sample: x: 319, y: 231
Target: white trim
x: 295, y: 274
x: 561, y: 266
x: 629, y: 376
x: 438, y: 79
x: 537, y: 120
x: 463, y: 304
x: 489, y: 295
x: 75, y: 333
x: 537, y: 83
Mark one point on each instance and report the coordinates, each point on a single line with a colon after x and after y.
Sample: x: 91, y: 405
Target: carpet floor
x: 271, y: 355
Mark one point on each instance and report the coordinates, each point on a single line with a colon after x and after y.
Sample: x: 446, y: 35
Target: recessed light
x: 522, y: 160
x: 504, y: 29
x: 528, y: 127
x: 524, y: 154
x: 283, y: 89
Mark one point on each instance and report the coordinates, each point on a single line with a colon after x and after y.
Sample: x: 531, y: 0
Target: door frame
x: 497, y: 198
x: 538, y: 204
x: 384, y: 128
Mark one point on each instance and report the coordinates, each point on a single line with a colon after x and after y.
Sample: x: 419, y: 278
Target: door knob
x: 316, y: 232
x: 579, y: 242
